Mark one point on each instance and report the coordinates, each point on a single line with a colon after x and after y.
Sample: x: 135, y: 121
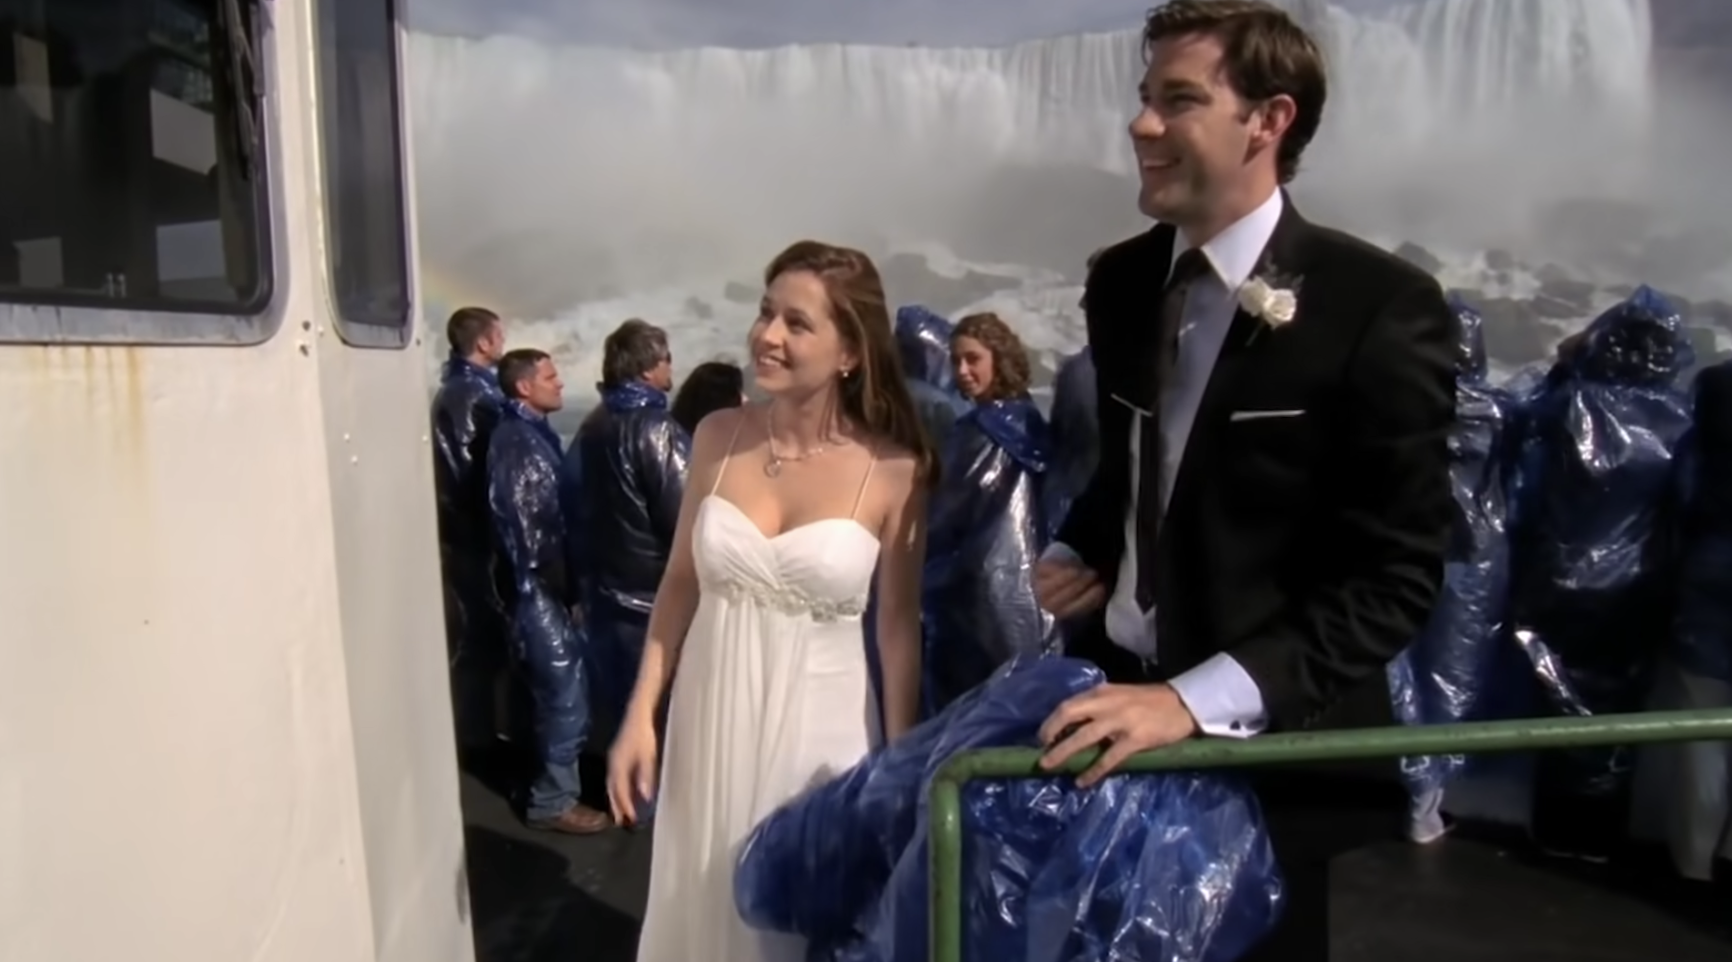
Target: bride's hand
x: 631, y: 770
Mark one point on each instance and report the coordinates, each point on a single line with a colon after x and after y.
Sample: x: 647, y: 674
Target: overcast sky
x: 753, y: 23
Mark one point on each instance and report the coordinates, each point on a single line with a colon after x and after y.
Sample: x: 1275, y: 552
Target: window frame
x: 52, y: 316
x: 399, y: 333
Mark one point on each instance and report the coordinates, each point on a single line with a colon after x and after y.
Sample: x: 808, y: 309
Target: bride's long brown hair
x: 876, y: 398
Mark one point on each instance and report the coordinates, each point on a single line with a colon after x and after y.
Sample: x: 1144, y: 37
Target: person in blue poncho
x: 923, y: 345
x: 1595, y: 568
x: 987, y: 526
x: 1448, y: 673
x: 524, y: 474
x: 1684, y: 791
x: 1075, y: 436
x: 466, y: 409
x: 626, y: 473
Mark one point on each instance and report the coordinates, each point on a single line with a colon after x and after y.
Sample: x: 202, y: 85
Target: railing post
x: 944, y: 851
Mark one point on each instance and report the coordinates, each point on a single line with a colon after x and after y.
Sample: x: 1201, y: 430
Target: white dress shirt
x: 1218, y: 693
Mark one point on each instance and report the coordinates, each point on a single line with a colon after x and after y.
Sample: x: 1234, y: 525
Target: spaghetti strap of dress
x: 860, y: 495
x: 716, y: 485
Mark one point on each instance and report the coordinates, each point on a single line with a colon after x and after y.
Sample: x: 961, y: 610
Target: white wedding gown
x: 771, y: 697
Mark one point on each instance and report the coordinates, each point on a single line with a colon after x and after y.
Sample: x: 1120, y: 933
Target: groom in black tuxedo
x: 1267, y: 524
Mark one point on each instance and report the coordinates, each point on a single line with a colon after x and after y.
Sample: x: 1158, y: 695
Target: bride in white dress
x: 790, y: 506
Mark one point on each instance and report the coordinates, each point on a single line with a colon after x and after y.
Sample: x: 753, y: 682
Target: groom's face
x: 1192, y: 136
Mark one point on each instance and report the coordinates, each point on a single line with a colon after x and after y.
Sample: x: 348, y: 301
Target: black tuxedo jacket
x: 1309, y: 547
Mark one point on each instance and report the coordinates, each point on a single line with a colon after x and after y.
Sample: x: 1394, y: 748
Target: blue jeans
x: 554, y: 792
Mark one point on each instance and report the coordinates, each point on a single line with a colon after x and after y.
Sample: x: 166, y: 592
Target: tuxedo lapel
x: 1131, y: 368
x: 1284, y: 255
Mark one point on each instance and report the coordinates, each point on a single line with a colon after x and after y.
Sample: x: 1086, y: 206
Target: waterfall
x: 558, y: 172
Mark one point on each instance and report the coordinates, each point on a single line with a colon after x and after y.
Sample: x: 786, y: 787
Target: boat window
x: 363, y: 161
x: 132, y: 183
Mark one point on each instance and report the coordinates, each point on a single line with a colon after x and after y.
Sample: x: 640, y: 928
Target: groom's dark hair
x: 1265, y: 53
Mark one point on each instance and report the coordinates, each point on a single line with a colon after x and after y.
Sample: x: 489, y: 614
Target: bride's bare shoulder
x: 897, y: 466
x: 716, y: 431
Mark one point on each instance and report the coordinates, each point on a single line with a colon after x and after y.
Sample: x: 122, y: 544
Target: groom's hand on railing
x: 1067, y: 588
x: 1120, y: 720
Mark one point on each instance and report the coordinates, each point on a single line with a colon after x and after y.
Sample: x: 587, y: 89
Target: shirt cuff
x: 1061, y: 552
x: 1222, y: 698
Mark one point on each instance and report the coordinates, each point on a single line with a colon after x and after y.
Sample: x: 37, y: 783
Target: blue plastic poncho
x: 1684, y: 791
x: 1158, y: 868
x: 923, y: 346
x: 524, y: 477
x: 1703, y: 637
x: 1075, y: 437
x: 465, y: 412
x: 1592, y: 588
x: 626, y: 475
x: 1443, y: 676
x: 986, y: 532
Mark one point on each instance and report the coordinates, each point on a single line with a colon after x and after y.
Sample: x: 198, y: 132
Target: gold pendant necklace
x: 773, y: 466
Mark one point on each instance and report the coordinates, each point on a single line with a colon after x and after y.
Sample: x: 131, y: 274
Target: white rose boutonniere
x: 1275, y: 306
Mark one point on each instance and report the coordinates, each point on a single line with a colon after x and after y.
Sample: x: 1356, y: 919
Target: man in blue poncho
x: 465, y: 411
x: 1267, y: 524
x: 626, y: 475
x: 525, y: 472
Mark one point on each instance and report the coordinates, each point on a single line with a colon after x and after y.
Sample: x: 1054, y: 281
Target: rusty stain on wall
x: 86, y: 411
x: 99, y: 388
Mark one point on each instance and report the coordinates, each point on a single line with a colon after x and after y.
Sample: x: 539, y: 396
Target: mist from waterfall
x: 550, y: 175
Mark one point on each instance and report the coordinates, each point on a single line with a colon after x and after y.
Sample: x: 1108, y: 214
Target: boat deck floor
x: 541, y: 897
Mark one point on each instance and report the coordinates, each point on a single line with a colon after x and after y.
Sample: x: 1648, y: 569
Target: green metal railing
x: 945, y: 800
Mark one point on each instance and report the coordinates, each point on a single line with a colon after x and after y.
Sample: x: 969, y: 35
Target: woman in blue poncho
x: 987, y: 528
